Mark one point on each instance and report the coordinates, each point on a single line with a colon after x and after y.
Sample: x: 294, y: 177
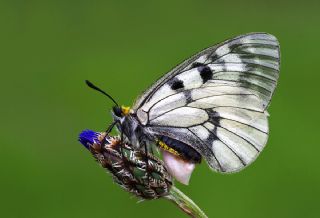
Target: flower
x: 88, y: 137
x: 142, y: 174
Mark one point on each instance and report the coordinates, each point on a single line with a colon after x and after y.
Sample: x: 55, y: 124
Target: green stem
x: 185, y: 203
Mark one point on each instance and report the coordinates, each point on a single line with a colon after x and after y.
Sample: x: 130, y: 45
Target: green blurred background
x: 48, y: 49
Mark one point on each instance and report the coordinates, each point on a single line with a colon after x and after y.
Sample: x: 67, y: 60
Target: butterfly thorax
x: 130, y: 126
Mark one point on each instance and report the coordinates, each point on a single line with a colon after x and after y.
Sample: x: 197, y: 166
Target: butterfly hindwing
x: 216, y: 101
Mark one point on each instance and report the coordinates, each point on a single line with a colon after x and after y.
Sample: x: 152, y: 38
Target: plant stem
x: 185, y: 203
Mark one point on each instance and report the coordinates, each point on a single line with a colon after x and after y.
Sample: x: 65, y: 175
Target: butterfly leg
x: 121, y: 141
x: 108, y: 130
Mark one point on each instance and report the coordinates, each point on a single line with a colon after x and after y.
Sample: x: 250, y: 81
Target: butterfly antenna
x: 100, y: 90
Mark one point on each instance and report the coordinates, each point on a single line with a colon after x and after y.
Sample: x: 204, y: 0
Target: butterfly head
x: 121, y: 111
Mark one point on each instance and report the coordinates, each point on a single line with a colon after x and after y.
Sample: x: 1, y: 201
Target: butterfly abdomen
x: 179, y: 148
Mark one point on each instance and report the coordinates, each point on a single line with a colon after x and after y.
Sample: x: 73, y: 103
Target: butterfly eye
x: 117, y: 111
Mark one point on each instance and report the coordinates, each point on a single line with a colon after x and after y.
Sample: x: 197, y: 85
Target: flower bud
x: 139, y: 173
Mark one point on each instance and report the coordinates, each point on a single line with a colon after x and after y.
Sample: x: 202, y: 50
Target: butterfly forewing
x: 216, y: 101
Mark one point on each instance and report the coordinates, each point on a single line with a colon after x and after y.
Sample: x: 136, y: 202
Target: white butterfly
x: 213, y: 105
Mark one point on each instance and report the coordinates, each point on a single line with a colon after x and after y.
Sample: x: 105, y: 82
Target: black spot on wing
x: 214, y: 118
x: 197, y: 64
x: 176, y: 84
x: 212, y: 137
x: 205, y: 73
x: 187, y: 95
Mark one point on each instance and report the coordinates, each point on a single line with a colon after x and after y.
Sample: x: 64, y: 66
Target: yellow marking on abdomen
x: 165, y: 147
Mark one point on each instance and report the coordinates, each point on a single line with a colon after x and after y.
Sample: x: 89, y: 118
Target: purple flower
x: 88, y: 137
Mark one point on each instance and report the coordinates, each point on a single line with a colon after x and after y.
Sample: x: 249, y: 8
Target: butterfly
x: 212, y: 106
